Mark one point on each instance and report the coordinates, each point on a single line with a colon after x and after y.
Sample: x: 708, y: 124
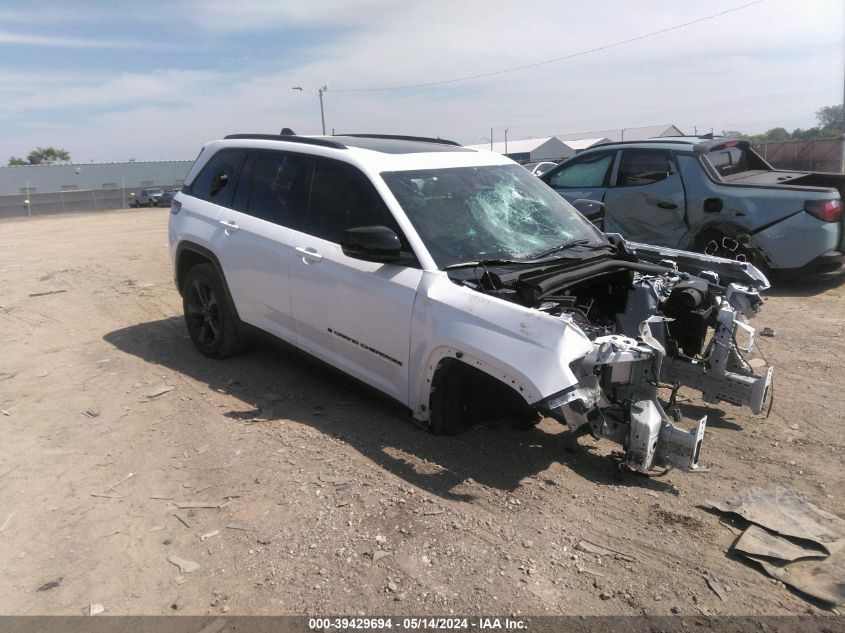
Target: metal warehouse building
x: 563, y: 146
x: 628, y: 133
x: 36, y: 189
x: 534, y: 149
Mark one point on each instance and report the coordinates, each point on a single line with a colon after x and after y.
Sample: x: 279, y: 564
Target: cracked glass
x: 487, y: 212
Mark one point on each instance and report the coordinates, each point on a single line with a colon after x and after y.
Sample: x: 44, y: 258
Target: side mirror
x: 590, y: 209
x: 372, y: 244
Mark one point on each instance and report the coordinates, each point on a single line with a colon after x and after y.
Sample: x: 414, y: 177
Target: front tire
x: 209, y: 314
x: 450, y: 410
x: 463, y: 396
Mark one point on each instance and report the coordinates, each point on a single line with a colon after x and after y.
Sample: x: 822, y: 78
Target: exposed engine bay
x: 656, y: 318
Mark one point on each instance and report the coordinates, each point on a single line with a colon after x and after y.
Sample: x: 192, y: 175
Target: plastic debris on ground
x: 791, y: 540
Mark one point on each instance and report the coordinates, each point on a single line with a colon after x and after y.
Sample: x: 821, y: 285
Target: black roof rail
x: 288, y: 138
x: 662, y: 139
x: 400, y: 137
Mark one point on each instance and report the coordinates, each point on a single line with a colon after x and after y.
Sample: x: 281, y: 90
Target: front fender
x: 523, y: 348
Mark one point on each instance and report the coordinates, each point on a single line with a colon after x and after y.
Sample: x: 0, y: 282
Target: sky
x: 113, y: 81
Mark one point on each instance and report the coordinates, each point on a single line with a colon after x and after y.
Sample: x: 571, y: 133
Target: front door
x: 354, y: 314
x: 585, y: 177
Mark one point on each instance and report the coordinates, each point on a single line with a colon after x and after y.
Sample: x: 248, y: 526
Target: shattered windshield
x: 489, y: 212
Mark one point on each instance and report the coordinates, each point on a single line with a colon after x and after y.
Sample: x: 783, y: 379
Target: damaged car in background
x: 459, y: 284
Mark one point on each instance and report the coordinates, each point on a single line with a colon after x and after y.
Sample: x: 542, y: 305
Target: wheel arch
x: 190, y: 254
x: 727, y: 228
x: 734, y: 230
x: 443, y: 358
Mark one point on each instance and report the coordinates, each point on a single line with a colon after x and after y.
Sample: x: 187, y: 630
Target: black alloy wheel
x: 203, y: 312
x: 209, y: 315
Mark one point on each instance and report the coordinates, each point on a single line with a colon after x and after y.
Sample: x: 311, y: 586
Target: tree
x: 47, y: 156
x: 777, y: 134
x: 830, y: 117
x: 804, y: 135
x: 14, y: 161
x: 830, y: 124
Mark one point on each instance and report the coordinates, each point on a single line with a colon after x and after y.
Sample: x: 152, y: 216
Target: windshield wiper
x: 490, y: 262
x: 583, y: 243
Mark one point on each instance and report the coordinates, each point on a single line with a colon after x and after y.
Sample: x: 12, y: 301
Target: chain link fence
x: 76, y: 201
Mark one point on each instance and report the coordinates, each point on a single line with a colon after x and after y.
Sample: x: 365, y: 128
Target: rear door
x: 352, y: 313
x: 646, y: 202
x: 585, y: 177
x: 253, y: 240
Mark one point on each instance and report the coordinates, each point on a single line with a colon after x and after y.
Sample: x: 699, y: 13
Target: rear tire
x: 209, y: 314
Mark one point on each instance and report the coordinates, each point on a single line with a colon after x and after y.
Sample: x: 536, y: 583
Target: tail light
x: 175, y: 207
x: 824, y: 210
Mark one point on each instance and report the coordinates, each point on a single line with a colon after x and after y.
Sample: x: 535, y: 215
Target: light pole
x: 506, y: 141
x: 320, y: 92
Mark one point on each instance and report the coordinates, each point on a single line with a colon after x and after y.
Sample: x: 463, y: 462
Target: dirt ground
x: 329, y: 500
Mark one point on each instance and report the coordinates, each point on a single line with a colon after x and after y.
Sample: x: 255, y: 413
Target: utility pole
x: 320, y: 92
x: 322, y: 114
x: 506, y: 141
x: 491, y: 139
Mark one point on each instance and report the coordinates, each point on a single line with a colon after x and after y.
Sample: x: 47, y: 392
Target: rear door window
x: 216, y: 182
x: 642, y: 167
x: 590, y: 171
x: 274, y: 187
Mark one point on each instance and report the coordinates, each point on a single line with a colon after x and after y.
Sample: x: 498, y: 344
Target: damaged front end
x: 654, y: 321
x: 659, y: 339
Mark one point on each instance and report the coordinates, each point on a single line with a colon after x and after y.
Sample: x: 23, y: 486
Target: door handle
x: 229, y: 226
x: 309, y: 255
x: 667, y: 205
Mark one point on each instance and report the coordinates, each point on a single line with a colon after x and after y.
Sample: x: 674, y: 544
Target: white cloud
x: 28, y: 39
x: 771, y: 64
x: 225, y: 16
x: 158, y: 87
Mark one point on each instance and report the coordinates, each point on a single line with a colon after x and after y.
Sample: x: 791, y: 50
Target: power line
x: 553, y: 60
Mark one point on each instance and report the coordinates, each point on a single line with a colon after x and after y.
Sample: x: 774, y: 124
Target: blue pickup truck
x: 715, y: 196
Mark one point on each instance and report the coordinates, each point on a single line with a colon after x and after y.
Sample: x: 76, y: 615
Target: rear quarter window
x: 216, y: 182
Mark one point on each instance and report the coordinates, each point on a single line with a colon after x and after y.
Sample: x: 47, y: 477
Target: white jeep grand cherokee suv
x: 457, y: 283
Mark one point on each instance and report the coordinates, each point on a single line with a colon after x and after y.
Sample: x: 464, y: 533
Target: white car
x: 460, y: 285
x: 146, y: 198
